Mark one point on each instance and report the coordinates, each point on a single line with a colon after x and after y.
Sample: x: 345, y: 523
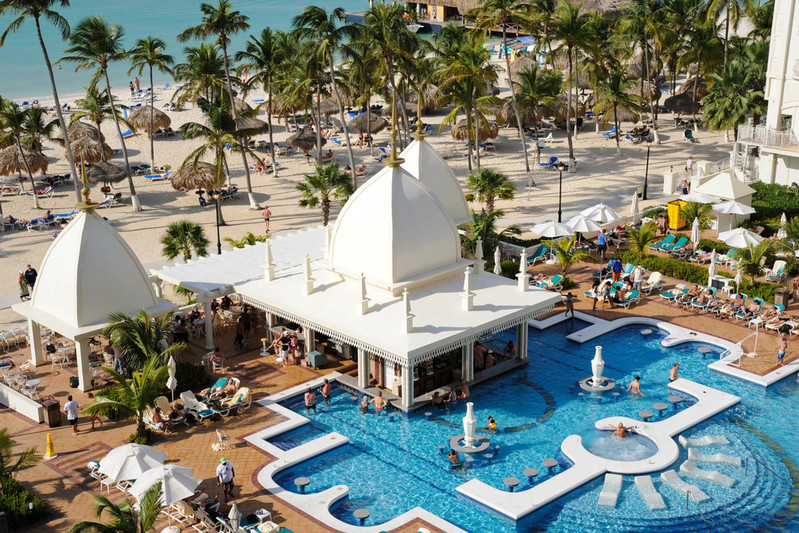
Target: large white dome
x: 393, y: 230
x: 424, y: 163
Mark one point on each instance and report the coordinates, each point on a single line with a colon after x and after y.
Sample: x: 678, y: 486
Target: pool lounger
x: 671, y: 479
x: 707, y: 440
x: 649, y: 493
x: 610, y: 491
x: 697, y: 457
x: 689, y: 469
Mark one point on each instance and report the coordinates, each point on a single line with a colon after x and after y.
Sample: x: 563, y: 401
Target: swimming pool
x: 393, y: 464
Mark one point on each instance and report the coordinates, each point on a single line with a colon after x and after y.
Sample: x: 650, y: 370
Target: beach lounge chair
x: 199, y: 409
x: 777, y: 271
x: 538, y: 255
x: 551, y: 163
x: 611, y: 133
x: 628, y: 269
x: 742, y: 314
x: 652, y: 283
x: 688, y: 135
x: 665, y: 242
x: 672, y: 294
x: 633, y: 297
x: 555, y: 282
x: 679, y: 244
x: 696, y: 304
x: 242, y: 399
x: 163, y: 403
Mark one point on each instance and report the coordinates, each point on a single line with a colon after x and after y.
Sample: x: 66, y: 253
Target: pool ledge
x: 588, y: 466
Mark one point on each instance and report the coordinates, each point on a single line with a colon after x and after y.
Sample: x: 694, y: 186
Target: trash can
x: 52, y: 409
x: 781, y: 296
x: 676, y: 220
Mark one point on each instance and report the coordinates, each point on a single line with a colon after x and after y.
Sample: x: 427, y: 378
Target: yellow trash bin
x: 676, y: 219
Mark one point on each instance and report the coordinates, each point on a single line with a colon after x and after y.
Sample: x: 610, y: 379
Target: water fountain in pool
x: 468, y: 443
x: 597, y: 383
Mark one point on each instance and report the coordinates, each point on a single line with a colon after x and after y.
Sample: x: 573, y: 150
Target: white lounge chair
x: 723, y: 458
x: 610, y: 491
x: 649, y: 493
x: 671, y: 479
x: 689, y: 469
x: 706, y: 440
x: 652, y: 283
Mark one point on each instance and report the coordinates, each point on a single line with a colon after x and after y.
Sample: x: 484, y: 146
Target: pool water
x: 393, y: 464
x: 630, y: 448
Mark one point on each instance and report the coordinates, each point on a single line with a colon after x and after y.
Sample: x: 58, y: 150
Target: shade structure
x: 249, y: 126
x: 328, y: 106
x: 506, y: 113
x: 172, y: 382
x: 241, y: 106
x: 79, y: 129
x: 520, y: 64
x: 130, y: 461
x: 374, y: 124
x: 695, y: 233
x: 681, y: 104
x: 699, y: 198
x: 553, y: 229
x: 198, y: 175
x: 733, y: 208
x: 140, y: 119
x: 410, y: 109
x: 600, y: 213
x: 11, y: 161
x: 582, y: 224
x: 90, y: 150
x: 488, y: 130
x: 711, y: 270
x: 305, y: 140
x: 497, y: 261
x: 105, y: 173
x: 429, y: 95
x: 740, y: 238
x: 634, y: 207
x: 781, y: 233
x: 652, y: 88
x: 688, y: 87
x: 177, y: 483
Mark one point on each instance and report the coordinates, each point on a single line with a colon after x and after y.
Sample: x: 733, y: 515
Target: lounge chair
x: 679, y: 244
x: 665, y: 242
x: 777, y: 271
x: 162, y: 403
x: 633, y: 297
x: 555, y: 282
x: 242, y: 399
x: 652, y: 283
x: 199, y: 409
x: 611, y: 133
x: 538, y: 255
x: 673, y: 294
x: 742, y: 313
x: 551, y: 163
x: 697, y: 304
x: 688, y: 135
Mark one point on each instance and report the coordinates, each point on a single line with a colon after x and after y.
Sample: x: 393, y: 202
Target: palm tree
x: 96, y: 107
x: 201, y: 76
x: 503, y: 13
x: 182, y: 238
x: 96, y: 44
x: 614, y: 93
x: 706, y: 52
x: 694, y: 210
x: 37, y: 9
x: 734, y: 10
x: 222, y: 21
x: 460, y: 96
x: 125, y: 517
x: 324, y: 29
x: 317, y: 189
x: 449, y: 39
x: 149, y: 52
x: 37, y: 128
x: 12, y: 126
x: 732, y: 98
x: 143, y: 338
x: 751, y: 260
x: 566, y: 254
x: 363, y: 74
x: 642, y: 237
x: 483, y: 227
x: 537, y: 88
x: 489, y: 185
x: 8, y: 466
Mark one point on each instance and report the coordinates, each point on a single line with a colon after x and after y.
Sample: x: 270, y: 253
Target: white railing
x: 718, y: 166
x: 767, y: 136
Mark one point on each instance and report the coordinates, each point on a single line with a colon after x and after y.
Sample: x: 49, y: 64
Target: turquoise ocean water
x: 24, y: 75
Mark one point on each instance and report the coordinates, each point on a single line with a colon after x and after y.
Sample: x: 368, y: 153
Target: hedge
x: 709, y: 245
x: 15, y: 502
x: 772, y: 199
x: 510, y: 239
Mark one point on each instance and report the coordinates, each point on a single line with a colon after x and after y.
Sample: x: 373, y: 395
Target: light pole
x: 217, y: 196
x: 646, y: 174
x: 561, y: 168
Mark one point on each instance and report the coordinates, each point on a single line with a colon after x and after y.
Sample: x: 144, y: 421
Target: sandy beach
x: 601, y: 176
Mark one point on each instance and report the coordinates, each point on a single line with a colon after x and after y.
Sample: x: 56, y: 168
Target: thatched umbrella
x: 488, y: 130
x: 89, y: 150
x: 431, y: 100
x: 140, y: 119
x: 11, y: 161
x: 623, y: 114
x: 654, y: 91
x: 305, y: 140
x: 410, y: 109
x: 376, y: 124
x: 681, y: 103
x: 105, y: 173
x: 327, y: 107
x: 507, y: 115
x: 688, y: 87
x: 80, y: 129
x: 251, y: 125
x: 241, y: 106
x: 196, y: 176
x: 520, y: 64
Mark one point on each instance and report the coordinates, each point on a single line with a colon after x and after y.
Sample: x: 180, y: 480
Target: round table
x: 33, y: 383
x: 511, y: 482
x: 171, y: 529
x: 549, y: 463
x: 302, y: 482
x: 704, y: 350
x: 646, y: 415
x: 530, y: 473
x: 646, y: 332
x: 660, y: 407
x: 674, y: 399
x: 489, y: 456
x: 361, y: 514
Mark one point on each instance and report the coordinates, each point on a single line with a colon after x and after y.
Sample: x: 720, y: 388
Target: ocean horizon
x: 25, y: 74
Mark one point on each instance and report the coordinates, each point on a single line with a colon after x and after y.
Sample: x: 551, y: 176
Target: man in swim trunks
x: 455, y: 460
x: 782, y: 347
x: 673, y: 373
x: 324, y: 390
x: 267, y: 214
x: 379, y: 401
x: 310, y: 400
x: 621, y: 431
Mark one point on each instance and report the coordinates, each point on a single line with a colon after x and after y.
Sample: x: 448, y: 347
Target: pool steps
x: 671, y: 479
x: 610, y: 491
x: 707, y: 440
x: 689, y: 469
x: 723, y: 458
x: 649, y: 493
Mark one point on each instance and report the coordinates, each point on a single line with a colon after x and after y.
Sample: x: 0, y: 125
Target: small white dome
x: 424, y: 163
x: 393, y: 230
x: 88, y: 273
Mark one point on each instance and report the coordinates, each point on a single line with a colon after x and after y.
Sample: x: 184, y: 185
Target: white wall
x: 21, y: 403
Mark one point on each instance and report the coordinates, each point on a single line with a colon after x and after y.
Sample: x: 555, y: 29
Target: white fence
x: 770, y: 137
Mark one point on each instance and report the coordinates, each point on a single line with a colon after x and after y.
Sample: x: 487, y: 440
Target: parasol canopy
x: 520, y: 64
x: 375, y: 125
x: 199, y: 175
x: 305, y: 140
x: 582, y: 224
x: 251, y: 125
x: 11, y: 161
x: 553, y: 229
x: 105, y: 173
x: 634, y: 206
x: 241, y: 106
x: 600, y: 213
x: 172, y: 382
x: 699, y: 198
x: 695, y: 233
x: 733, y: 208
x: 90, y: 150
x: 130, y: 461
x: 410, y: 109
x: 688, y: 87
x: 711, y: 269
x: 177, y: 483
x: 781, y: 233
x: 79, y: 129
x: 328, y: 106
x: 430, y: 96
x: 140, y: 119
x: 740, y: 238
x: 488, y: 130
x: 681, y: 104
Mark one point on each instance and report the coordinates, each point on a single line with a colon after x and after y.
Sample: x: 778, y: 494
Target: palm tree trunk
x: 516, y: 105
x: 727, y: 34
x: 616, y: 127
x: 28, y: 170
x: 369, y: 121
x: 57, y: 103
x: 152, y: 112
x: 469, y: 136
x: 568, y: 114
x: 134, y: 200
x: 318, y: 121
x: 576, y: 89
x: 102, y: 152
x: 649, y: 95
x: 404, y: 111
x: 476, y: 125
x: 269, y: 122
x: 326, y: 207
x: 696, y: 83
x: 341, y: 115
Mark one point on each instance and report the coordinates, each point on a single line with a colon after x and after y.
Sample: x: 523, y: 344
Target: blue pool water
x: 393, y: 464
x: 631, y: 448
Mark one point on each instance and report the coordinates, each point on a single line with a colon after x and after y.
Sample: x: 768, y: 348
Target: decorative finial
x: 468, y: 295
x: 270, y: 264
x: 479, y: 263
x: 308, y: 277
x: 523, y: 276
x: 364, y: 299
x: 407, y: 315
x: 392, y: 160
x: 418, y: 134
x: 87, y: 206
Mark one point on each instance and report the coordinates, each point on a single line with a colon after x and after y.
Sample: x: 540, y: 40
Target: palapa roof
x: 376, y: 124
x: 11, y: 161
x: 199, y: 175
x: 90, y: 150
x: 105, y: 173
x: 304, y: 140
x: 140, y: 119
x: 488, y: 130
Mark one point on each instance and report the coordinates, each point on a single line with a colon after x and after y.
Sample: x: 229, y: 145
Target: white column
x: 310, y: 338
x: 35, y: 335
x: 521, y: 341
x: 407, y: 386
x: 468, y: 361
x: 363, y: 368
x: 158, y: 286
x: 82, y: 356
x: 209, y: 326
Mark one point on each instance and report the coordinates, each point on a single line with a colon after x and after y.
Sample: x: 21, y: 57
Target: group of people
x: 288, y: 346
x: 27, y: 279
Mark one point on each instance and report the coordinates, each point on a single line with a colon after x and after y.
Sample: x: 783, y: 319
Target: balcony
x: 768, y: 137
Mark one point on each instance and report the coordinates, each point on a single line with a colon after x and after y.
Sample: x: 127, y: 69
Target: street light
x: 646, y: 174
x: 217, y: 196
x: 561, y: 168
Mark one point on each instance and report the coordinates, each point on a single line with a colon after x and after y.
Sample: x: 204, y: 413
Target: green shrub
x: 510, y: 239
x: 509, y: 269
x: 148, y: 436
x: 652, y: 212
x: 112, y: 392
x: 190, y: 377
x: 771, y: 199
x: 709, y: 245
x: 568, y: 283
x: 15, y: 502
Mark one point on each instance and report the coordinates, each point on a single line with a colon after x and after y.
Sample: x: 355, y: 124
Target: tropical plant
x: 733, y: 13
x: 201, y: 76
x: 731, y: 98
x: 488, y: 185
x: 149, y: 52
x: 143, y: 338
x: 641, y: 238
x: 614, y: 94
x: 318, y: 188
x: 449, y: 39
x: 537, y: 88
x: 125, y: 517
x: 12, y: 126
x: 37, y: 128
x: 9, y: 464
x: 182, y: 238
x: 751, y: 260
x: 363, y: 74
x: 97, y: 44
x: 36, y: 10
x: 566, y: 254
x: 483, y: 226
x: 694, y: 210
x: 706, y: 52
x: 247, y: 240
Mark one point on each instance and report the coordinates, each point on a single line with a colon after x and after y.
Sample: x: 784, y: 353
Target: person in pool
x: 492, y: 425
x: 364, y: 407
x: 455, y: 460
x: 438, y: 400
x: 635, y: 387
x: 379, y: 401
x: 674, y: 373
x: 621, y: 431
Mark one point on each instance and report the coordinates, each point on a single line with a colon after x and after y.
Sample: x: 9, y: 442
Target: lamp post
x: 217, y: 196
x: 561, y: 168
x: 646, y: 174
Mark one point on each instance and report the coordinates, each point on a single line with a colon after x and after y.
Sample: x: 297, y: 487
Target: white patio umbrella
x: 600, y: 213
x: 733, y: 208
x: 582, y: 224
x: 497, y: 261
x: 695, y: 234
x: 713, y: 256
x: 234, y: 516
x: 177, y: 483
x: 634, y: 207
x: 711, y: 271
x: 781, y: 233
x: 172, y: 382
x: 130, y: 461
x: 553, y: 229
x: 739, y: 277
x: 699, y: 198
x: 740, y: 238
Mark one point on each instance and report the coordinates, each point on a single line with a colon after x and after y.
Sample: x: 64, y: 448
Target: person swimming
x: 621, y: 431
x: 492, y: 425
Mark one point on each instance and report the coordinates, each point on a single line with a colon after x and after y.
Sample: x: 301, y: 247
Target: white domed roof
x: 90, y: 272
x: 424, y: 163
x: 393, y: 230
